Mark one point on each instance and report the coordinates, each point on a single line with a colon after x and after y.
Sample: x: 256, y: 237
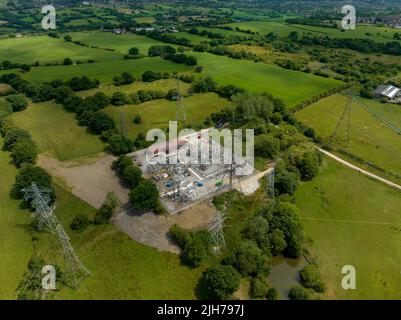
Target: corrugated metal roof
x: 387, y: 91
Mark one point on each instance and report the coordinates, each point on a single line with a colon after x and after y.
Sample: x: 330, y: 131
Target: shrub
x: 310, y: 278
x: 132, y: 175
x: 67, y: 61
x: 150, y: 76
x: 257, y: 230
x: 119, y: 144
x: 259, y: 287
x: 220, y: 282
x: 24, y: 151
x: 119, y: 99
x: 13, y: 136
x: 30, y: 173
x: 100, y: 122
x: 286, y: 182
x: 106, y: 211
x: 137, y: 119
x: 298, y: 292
x: 277, y: 242
x: 180, y: 236
x: 144, y: 196
x: 80, y: 222
x: 248, y: 259
x: 18, y: 103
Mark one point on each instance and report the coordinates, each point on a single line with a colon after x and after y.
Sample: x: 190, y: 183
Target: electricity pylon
x: 40, y: 200
x: 180, y: 114
x: 216, y: 232
x: 270, y: 182
x: 346, y: 114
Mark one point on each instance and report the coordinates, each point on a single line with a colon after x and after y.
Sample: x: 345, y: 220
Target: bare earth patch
x: 152, y: 229
x: 92, y: 180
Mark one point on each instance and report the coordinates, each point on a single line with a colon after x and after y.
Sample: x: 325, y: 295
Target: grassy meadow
x: 15, y: 242
x: 120, y: 43
x: 353, y: 220
x: 103, y: 71
x: 157, y: 113
x: 56, y: 131
x: 49, y: 50
x: 163, y: 85
x: 291, y: 86
x: 370, y: 138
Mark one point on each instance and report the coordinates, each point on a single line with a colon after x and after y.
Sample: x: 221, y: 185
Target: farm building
x: 387, y: 91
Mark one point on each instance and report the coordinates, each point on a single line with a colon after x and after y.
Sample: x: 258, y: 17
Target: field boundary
x: 360, y: 170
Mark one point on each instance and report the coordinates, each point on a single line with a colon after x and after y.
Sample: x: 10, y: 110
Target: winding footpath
x: 366, y: 173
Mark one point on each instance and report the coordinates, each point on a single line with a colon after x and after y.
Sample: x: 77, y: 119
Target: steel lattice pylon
x: 216, y: 231
x: 270, y: 182
x: 180, y: 114
x: 75, y: 270
x: 40, y: 200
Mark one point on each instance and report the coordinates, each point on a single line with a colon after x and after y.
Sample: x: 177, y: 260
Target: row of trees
x: 17, y: 141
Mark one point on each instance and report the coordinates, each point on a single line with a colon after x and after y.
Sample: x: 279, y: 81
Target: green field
x: 120, y: 43
x: 353, y: 220
x: 103, y: 71
x: 192, y: 37
x: 291, y: 86
x: 379, y: 34
x: 16, y: 245
x: 370, y: 139
x: 157, y: 113
x: 160, y: 85
x: 56, y: 131
x: 149, y: 19
x: 49, y: 50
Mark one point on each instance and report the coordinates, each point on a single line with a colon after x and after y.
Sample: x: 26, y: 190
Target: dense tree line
x: 360, y: 45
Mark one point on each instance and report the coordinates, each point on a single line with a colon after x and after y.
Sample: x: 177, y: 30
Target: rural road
x: 367, y: 173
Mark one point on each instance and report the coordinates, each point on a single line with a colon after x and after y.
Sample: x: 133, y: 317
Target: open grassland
x: 49, y: 50
x: 149, y: 19
x: 356, y: 221
x: 390, y: 112
x: 163, y: 85
x: 379, y: 34
x: 120, y: 43
x: 15, y: 242
x: 56, y: 131
x: 121, y: 267
x: 157, y: 113
x: 291, y: 86
x: 103, y: 71
x: 195, y: 39
x: 370, y: 139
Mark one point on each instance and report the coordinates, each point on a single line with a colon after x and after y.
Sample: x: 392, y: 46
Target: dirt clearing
x: 90, y: 181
